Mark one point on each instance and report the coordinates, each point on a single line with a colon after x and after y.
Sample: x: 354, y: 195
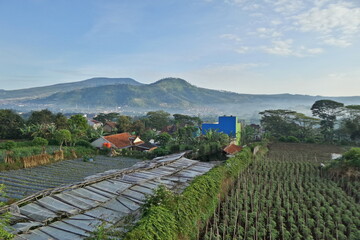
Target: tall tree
x: 41, y: 117
x: 158, y: 119
x: 183, y: 120
x: 328, y: 111
x: 138, y: 127
x: 79, y: 121
x: 124, y: 123
x: 63, y: 136
x: 10, y: 124
x: 107, y: 117
x: 60, y: 121
x: 279, y: 122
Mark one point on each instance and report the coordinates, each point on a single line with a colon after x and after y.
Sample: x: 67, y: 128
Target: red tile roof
x: 232, y: 149
x: 122, y: 140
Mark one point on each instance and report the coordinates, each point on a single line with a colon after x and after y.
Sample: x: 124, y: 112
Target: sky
x: 246, y: 46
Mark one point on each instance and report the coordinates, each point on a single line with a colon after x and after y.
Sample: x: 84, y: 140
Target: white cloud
x: 338, y: 22
x: 315, y: 50
x: 242, y: 50
x: 339, y: 42
x: 287, y: 48
x: 264, y: 32
x: 281, y: 47
x: 230, y: 36
x: 336, y: 17
x: 287, y: 7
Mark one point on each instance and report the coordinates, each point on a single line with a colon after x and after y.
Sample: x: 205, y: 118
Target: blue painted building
x: 227, y: 124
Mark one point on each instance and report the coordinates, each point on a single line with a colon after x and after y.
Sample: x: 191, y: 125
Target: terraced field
x: 24, y: 182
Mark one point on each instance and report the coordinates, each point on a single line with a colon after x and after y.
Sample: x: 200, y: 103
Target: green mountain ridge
x: 64, y: 87
x: 172, y: 93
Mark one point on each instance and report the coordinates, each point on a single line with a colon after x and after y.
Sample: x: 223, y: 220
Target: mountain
x: 176, y: 94
x: 170, y: 94
x: 64, y: 87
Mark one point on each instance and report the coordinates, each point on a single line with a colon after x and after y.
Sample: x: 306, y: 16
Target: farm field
x: 286, y: 195
x: 24, y: 182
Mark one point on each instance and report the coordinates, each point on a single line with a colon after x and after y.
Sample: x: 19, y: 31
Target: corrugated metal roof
x: 76, y: 211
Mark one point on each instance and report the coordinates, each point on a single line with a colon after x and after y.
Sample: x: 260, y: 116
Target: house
x: 232, y: 149
x: 119, y: 141
x: 110, y: 127
x: 227, y: 124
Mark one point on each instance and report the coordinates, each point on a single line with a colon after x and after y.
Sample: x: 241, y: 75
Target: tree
x: 148, y: 135
x: 158, y: 119
x: 107, y: 117
x: 60, y: 121
x: 78, y: 121
x: 63, y: 136
x: 163, y: 138
x: 328, y: 111
x: 279, y: 122
x: 138, y: 127
x: 10, y: 124
x: 124, y: 123
x: 41, y: 117
x: 307, y: 124
x: 184, y: 120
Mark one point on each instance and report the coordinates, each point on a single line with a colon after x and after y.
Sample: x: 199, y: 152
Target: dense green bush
x: 83, y: 143
x: 183, y: 215
x: 352, y: 158
x: 39, y: 141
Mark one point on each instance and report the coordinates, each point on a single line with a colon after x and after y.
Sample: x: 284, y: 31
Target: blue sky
x: 246, y: 46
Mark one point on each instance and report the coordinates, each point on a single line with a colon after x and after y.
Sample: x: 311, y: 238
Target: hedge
x: 184, y: 218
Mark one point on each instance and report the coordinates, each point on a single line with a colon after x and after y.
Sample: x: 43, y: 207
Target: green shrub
x: 83, y: 143
x: 39, y: 141
x: 4, y: 219
x: 169, y: 216
x: 9, y: 145
x: 160, y: 151
x: 293, y: 139
x: 352, y: 157
x: 175, y: 148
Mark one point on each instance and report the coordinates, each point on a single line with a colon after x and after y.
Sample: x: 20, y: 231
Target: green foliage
x: 148, y: 135
x: 107, y: 117
x: 124, y: 123
x: 350, y: 159
x: 158, y: 119
x: 160, y: 151
x: 41, y: 117
x: 159, y: 223
x: 84, y: 143
x: 286, y: 196
x: 328, y: 111
x: 10, y: 124
x: 290, y: 139
x: 78, y: 121
x: 186, y: 120
x: 60, y: 121
x: 63, y: 135
x: 170, y: 216
x: 9, y: 145
x: 163, y: 138
x: 4, y: 219
x: 39, y: 141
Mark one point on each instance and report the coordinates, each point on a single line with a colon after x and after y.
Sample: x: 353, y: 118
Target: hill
x: 170, y: 94
x: 175, y: 93
x: 63, y: 87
